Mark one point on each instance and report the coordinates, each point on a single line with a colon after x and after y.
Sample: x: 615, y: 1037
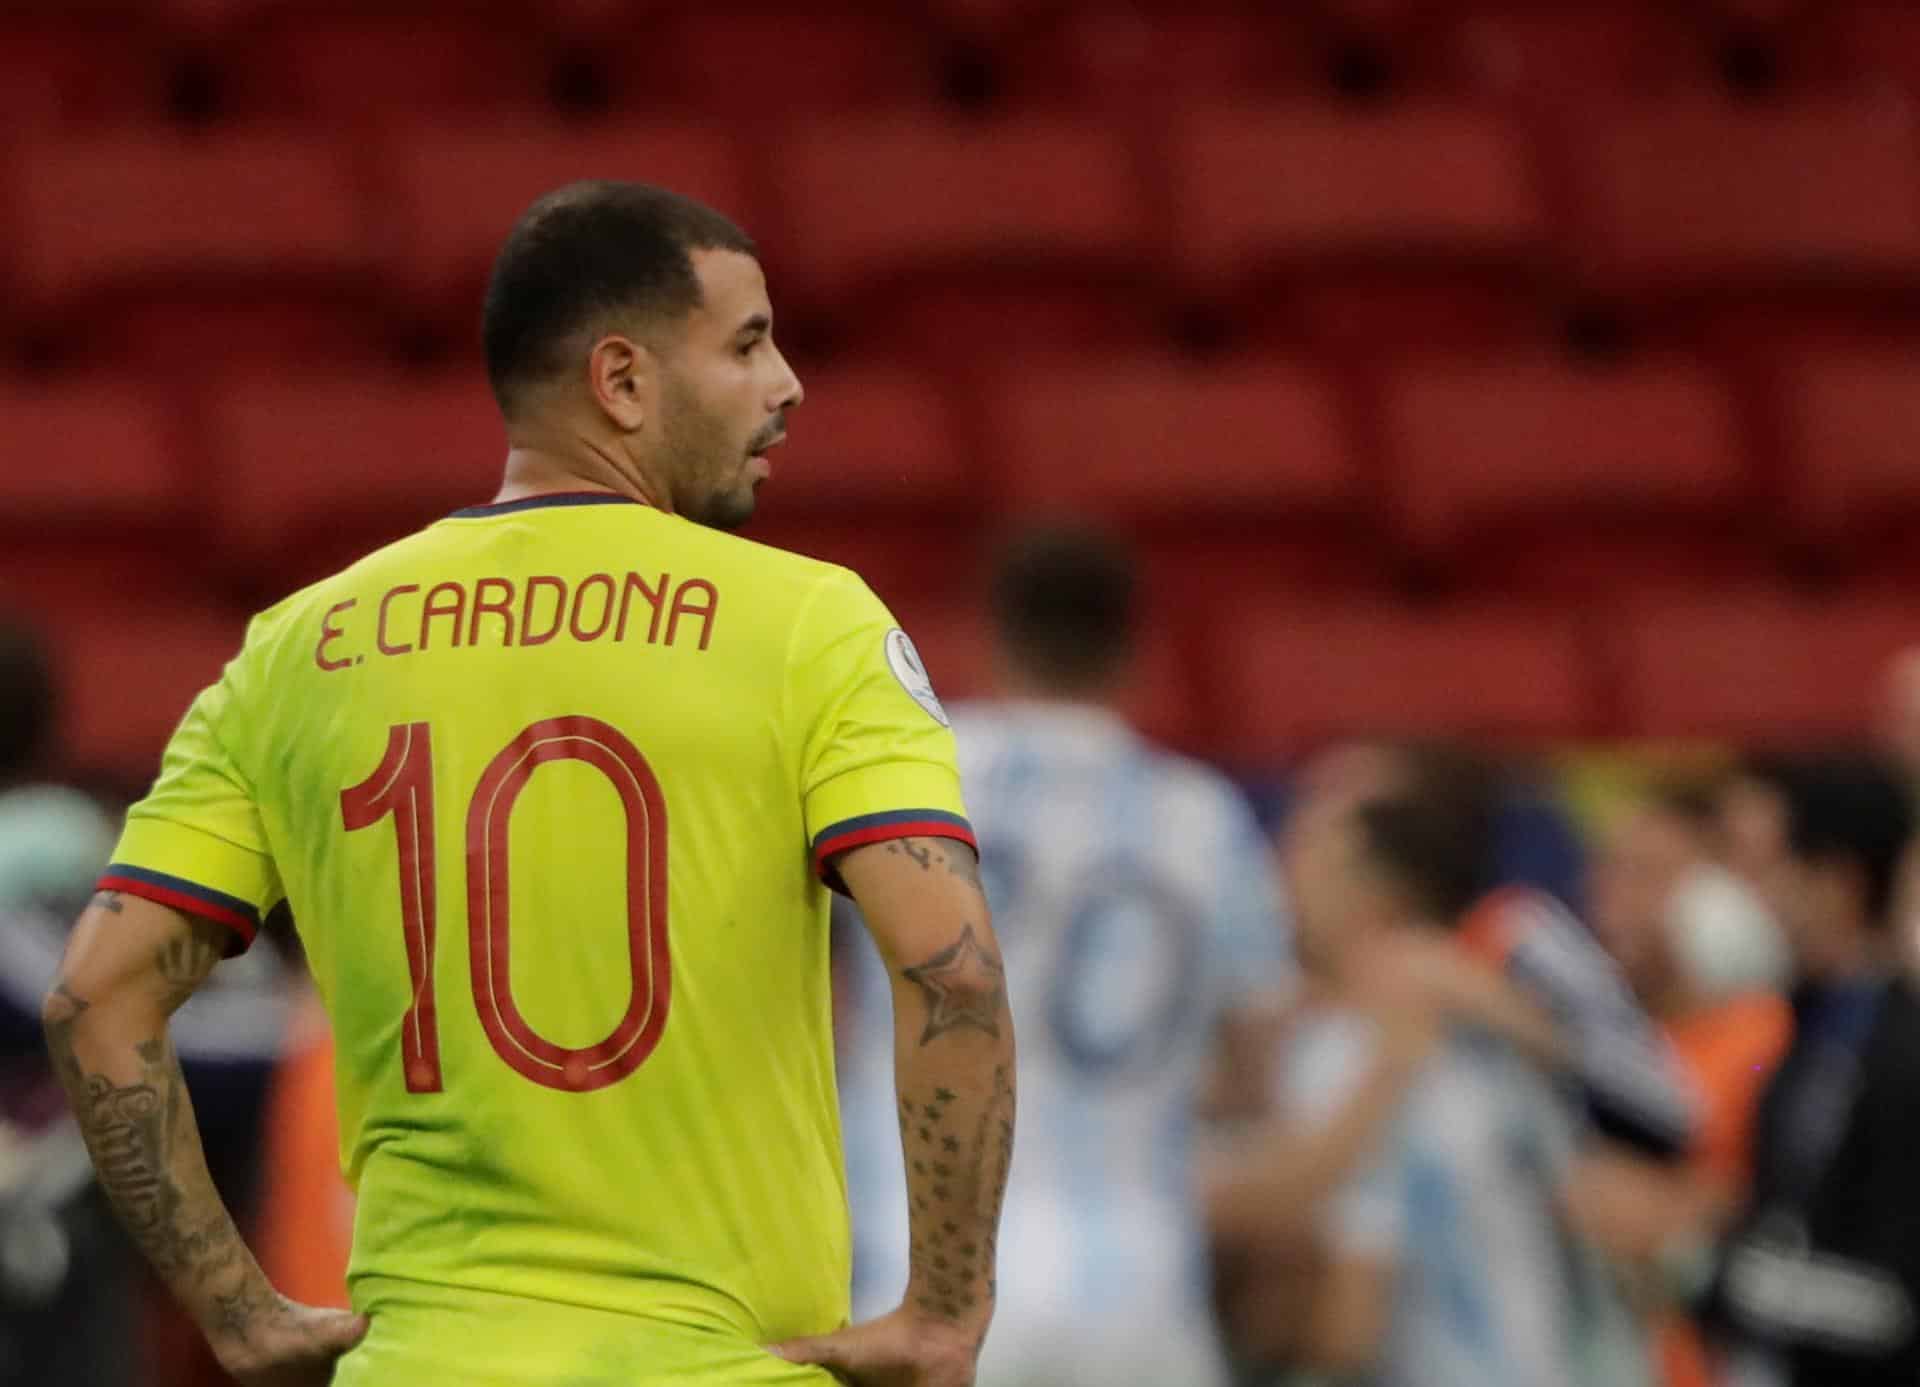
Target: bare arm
x: 129, y: 966
x: 954, y: 1074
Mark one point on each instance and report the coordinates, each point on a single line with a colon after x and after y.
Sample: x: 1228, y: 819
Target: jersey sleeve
x: 877, y: 754
x: 196, y: 842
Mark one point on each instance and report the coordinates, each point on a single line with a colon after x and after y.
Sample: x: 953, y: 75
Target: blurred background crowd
x: 1484, y: 434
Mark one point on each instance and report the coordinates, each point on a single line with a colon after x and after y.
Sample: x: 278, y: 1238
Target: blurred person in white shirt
x: 1137, y: 907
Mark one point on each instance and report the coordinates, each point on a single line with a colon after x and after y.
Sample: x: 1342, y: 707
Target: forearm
x: 1265, y: 1197
x: 956, y: 1086
x: 124, y: 1083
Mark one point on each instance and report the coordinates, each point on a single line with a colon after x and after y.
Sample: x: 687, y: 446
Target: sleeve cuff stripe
x: 878, y: 828
x: 188, y: 896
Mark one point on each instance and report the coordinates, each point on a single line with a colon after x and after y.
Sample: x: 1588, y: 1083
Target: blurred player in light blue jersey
x: 1137, y: 907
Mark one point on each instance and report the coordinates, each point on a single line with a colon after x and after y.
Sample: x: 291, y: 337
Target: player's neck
x: 532, y: 470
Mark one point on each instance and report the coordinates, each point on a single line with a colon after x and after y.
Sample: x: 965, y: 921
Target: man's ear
x: 622, y: 375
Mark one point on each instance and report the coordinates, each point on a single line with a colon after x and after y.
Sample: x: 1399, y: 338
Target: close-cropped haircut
x: 585, y: 254
x: 1064, y: 605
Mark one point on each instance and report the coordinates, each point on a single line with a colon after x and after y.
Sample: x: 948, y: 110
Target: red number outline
x: 402, y: 785
x: 489, y: 820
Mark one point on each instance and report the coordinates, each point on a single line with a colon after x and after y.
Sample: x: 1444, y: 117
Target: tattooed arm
x: 954, y: 1072
x: 130, y: 965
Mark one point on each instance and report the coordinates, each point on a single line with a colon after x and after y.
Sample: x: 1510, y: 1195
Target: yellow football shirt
x: 549, y: 787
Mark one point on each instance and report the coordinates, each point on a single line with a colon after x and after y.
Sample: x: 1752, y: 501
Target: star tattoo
x: 964, y: 986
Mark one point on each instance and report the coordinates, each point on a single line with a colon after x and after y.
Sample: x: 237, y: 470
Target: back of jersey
x: 1133, y: 899
x: 539, y: 783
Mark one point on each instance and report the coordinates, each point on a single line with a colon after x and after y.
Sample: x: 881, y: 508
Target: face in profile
x: 725, y: 390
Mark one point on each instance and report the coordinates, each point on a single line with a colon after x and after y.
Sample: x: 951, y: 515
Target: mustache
x: 765, y: 438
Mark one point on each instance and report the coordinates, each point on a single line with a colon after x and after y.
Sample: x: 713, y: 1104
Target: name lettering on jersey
x: 653, y: 610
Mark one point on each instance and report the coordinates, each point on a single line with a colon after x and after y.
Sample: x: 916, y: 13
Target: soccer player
x: 1137, y: 901
x: 1408, y: 1198
x: 556, y: 789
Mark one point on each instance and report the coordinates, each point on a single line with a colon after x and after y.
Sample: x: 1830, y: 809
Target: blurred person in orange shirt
x: 306, y: 1208
x: 1707, y: 963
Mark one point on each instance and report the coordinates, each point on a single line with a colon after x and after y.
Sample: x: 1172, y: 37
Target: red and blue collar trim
x: 551, y: 498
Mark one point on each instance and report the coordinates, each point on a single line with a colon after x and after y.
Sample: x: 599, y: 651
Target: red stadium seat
x: 1524, y: 471
x: 455, y: 191
x: 90, y: 455
x: 315, y: 65
x: 1258, y: 189
x: 117, y: 721
x: 720, y: 60
x: 98, y: 212
x: 79, y: 67
x: 1164, y: 442
x: 872, y: 440
x: 1291, y: 672
x: 177, y: 254
x: 1698, y: 196
x: 1758, y: 667
x: 1853, y: 446
x: 1035, y: 228
x: 1136, y: 63
x: 312, y: 473
x: 1877, y: 39
x: 1575, y: 54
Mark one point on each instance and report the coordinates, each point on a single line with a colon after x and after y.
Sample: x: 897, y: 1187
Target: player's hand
x: 903, y: 1349
x: 288, y: 1345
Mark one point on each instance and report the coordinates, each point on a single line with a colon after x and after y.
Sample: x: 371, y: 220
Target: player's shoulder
x: 1197, y: 792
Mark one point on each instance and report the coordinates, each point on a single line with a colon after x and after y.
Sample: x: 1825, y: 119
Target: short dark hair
x: 28, y: 699
x: 1848, y: 807
x: 1064, y: 600
x: 1435, y: 858
x: 583, y: 253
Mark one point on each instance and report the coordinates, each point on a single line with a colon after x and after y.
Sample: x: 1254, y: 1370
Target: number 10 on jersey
x: 401, y: 788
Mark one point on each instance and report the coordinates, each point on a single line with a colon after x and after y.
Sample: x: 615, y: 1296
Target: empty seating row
x: 1513, y: 473
x: 1256, y: 680
x: 87, y: 61
x: 1050, y: 230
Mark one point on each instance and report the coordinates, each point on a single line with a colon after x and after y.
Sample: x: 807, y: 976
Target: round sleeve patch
x: 905, y: 663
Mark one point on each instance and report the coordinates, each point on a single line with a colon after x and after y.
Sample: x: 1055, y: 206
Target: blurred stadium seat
x: 454, y: 190
x: 308, y: 474
x: 1517, y: 473
x: 358, y: 66
x: 118, y: 724
x: 90, y: 455
x: 1756, y: 667
x: 1167, y: 443
x: 737, y: 62
x: 1572, y: 54
x: 79, y: 67
x: 1292, y: 670
x: 1038, y: 230
x: 179, y: 251
x: 1852, y: 424
x: 1423, y: 222
x: 1676, y: 197
x: 874, y: 439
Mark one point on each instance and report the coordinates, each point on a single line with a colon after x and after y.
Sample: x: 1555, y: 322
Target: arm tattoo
x: 956, y: 1201
x: 141, y: 1134
x: 184, y: 963
x: 109, y: 901
x: 959, y: 859
x: 964, y: 985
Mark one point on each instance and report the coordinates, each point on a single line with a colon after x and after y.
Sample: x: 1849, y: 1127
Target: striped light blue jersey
x: 1135, y: 900
x: 1462, y: 1197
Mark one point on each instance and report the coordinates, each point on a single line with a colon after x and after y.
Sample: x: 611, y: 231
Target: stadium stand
x: 1285, y: 294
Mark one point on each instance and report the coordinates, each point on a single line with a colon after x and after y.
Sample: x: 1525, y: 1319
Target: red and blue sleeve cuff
x: 189, y: 897
x: 858, y: 832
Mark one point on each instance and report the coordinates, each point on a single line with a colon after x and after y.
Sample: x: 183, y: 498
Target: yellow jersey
x: 550, y: 788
